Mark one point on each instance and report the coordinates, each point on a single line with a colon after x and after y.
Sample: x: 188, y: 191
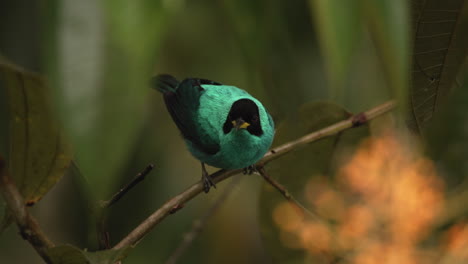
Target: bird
x: 222, y: 125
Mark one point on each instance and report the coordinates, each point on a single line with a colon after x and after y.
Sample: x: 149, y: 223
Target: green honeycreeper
x: 223, y: 126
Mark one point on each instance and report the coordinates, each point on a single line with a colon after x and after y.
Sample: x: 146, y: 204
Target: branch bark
x: 28, y: 226
x: 179, y: 200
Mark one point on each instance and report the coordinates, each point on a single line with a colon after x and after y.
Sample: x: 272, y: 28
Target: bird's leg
x: 207, y: 181
x: 250, y: 169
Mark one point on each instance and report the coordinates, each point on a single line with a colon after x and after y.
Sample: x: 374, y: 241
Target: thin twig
x: 179, y: 200
x: 301, y: 209
x: 28, y: 226
x: 200, y: 223
x: 138, y: 178
x: 103, y: 235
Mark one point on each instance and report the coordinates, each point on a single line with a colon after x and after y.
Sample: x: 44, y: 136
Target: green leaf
x: 388, y: 22
x: 440, y: 47
x: 37, y: 154
x: 67, y: 254
x: 297, y: 169
x: 339, y: 29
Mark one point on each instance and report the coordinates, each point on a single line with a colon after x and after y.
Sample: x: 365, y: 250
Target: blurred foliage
x: 97, y: 57
x: 99, y: 97
x: 340, y: 28
x: 388, y: 24
x: 299, y: 169
x: 381, y: 206
x: 447, y: 138
x: 338, y: 24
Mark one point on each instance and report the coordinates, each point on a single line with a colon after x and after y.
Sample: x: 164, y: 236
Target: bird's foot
x: 207, y: 181
x: 250, y: 169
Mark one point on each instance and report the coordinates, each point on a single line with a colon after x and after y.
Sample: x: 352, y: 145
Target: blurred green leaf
x: 37, y: 153
x: 339, y: 29
x: 67, y: 254
x: 388, y: 21
x: 440, y: 48
x: 100, y: 78
x: 447, y: 136
x: 296, y: 169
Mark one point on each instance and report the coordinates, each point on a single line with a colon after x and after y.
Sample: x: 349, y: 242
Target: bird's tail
x: 164, y: 83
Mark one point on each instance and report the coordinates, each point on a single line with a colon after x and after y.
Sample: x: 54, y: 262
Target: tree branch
x: 28, y: 226
x: 179, y: 200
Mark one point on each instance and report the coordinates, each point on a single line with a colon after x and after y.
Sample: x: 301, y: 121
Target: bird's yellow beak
x: 240, y: 124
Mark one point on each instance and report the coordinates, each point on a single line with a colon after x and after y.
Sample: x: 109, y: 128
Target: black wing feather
x: 164, y: 83
x: 182, y: 101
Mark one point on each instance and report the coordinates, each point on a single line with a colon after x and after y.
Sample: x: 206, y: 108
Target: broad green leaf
x: 339, y: 29
x: 100, y: 79
x: 68, y: 254
x: 388, y: 22
x: 440, y: 47
x: 37, y: 153
x: 106, y: 256
x: 295, y: 170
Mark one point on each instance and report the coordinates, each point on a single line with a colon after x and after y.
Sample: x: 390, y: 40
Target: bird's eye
x: 254, y: 119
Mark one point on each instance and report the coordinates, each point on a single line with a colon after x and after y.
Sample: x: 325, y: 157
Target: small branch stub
x: 359, y: 119
x: 176, y: 208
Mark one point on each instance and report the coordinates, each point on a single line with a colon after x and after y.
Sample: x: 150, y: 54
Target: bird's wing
x: 183, y: 103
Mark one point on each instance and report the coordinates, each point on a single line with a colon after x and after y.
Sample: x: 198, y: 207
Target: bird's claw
x: 207, y: 181
x: 250, y: 169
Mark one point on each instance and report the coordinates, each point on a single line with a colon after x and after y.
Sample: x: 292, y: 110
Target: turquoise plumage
x: 223, y: 126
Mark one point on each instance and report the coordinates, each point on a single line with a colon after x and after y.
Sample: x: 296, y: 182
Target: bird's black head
x: 243, y: 115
